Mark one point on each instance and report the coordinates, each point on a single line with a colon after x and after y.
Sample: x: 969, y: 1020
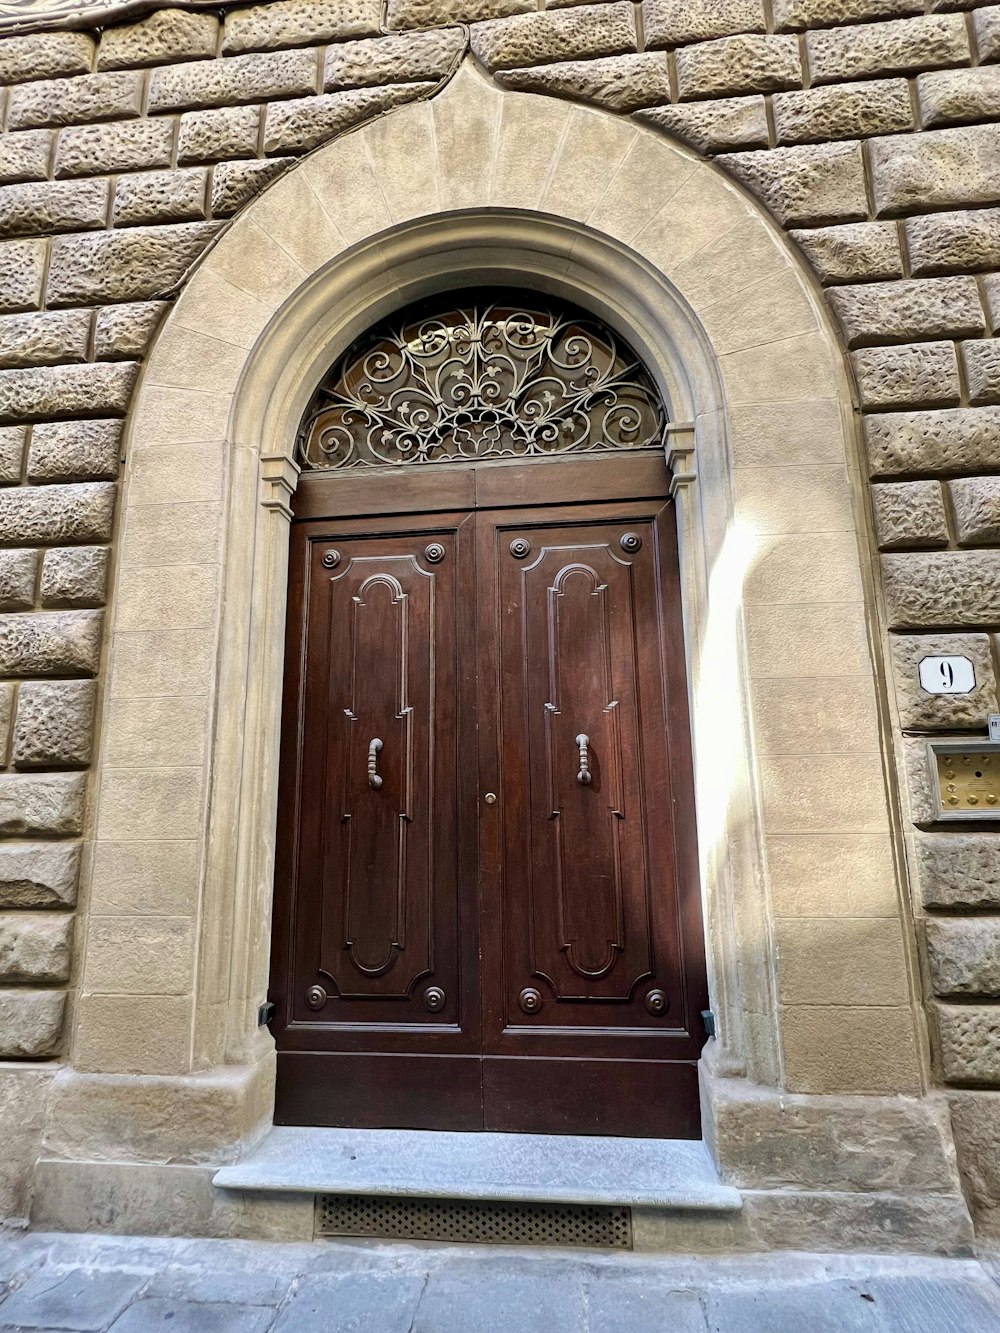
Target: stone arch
x: 477, y: 185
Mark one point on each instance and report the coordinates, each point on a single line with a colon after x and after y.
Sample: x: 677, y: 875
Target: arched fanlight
x: 500, y: 376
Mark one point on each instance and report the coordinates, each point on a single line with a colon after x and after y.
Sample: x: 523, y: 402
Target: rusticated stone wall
x: 869, y: 128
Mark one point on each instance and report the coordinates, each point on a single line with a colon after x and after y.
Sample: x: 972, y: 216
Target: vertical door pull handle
x: 584, y: 776
x: 373, y: 778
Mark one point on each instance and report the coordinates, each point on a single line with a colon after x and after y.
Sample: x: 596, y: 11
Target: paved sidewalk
x: 89, y: 1284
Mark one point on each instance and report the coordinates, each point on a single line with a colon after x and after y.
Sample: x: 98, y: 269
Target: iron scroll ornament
x: 495, y: 379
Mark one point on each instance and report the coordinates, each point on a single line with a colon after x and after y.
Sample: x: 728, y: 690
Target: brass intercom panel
x: 966, y: 778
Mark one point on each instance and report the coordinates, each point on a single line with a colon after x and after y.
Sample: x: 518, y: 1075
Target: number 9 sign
x: 947, y: 675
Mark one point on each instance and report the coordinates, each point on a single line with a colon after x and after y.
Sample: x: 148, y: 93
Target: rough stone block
x: 88, y: 150
x: 677, y: 22
x: 842, y: 1143
x: 852, y: 253
x: 161, y: 196
x: 35, y: 947
x: 397, y: 59
x: 139, y: 955
x: 54, y: 725
x: 897, y: 47
x: 936, y: 169
x: 124, y: 266
x: 986, y: 31
x: 991, y: 290
x: 298, y: 126
x: 958, y: 871
x: 75, y: 576
x: 299, y: 23
x: 975, y: 1120
x: 745, y: 64
x: 43, y: 803
x: 950, y: 440
x: 57, y: 514
x: 74, y: 451
x: 50, y: 643
x: 235, y: 183
x: 962, y: 242
x: 569, y: 34
x: 916, y: 375
x: 964, y: 956
x: 795, y: 15
x: 66, y: 391
x: 811, y: 183
x: 18, y: 576
x: 216, y: 136
x: 48, y: 206
x: 848, y: 1048
x: 11, y: 454
x: 976, y: 502
x: 896, y: 312
x: 949, y: 97
x: 8, y: 691
x: 250, y: 78
x: 39, y: 874
x: 124, y: 332
x: 165, y: 36
x: 434, y: 13
x: 713, y: 127
x: 970, y: 1043
x: 72, y: 101
x: 49, y: 338
x: 44, y: 55
x: 941, y: 588
x: 921, y: 711
x: 843, y: 111
x: 909, y: 514
x: 621, y: 83
x: 22, y: 270
x: 24, y: 155
x: 981, y: 363
x: 30, y: 1023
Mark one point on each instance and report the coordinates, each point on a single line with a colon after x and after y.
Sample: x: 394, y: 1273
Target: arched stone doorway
x: 774, y: 587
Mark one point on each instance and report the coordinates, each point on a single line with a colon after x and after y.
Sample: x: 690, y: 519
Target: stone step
x: 527, y: 1168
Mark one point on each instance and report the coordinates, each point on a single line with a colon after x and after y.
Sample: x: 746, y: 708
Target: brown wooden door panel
x: 560, y: 921
x: 586, y: 949
x: 373, y: 853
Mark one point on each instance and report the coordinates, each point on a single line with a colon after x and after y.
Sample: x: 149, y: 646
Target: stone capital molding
x: 681, y: 455
x: 279, y: 476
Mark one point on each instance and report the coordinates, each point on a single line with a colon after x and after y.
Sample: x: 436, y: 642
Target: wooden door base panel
x: 379, y: 1091
x: 629, y: 1099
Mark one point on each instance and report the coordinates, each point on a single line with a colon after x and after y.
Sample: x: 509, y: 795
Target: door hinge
x: 708, y: 1022
x: 265, y: 1013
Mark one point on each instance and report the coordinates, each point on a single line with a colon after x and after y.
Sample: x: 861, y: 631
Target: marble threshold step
x: 526, y: 1168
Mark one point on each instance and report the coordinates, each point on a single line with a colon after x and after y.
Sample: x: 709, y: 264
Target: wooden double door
x: 486, y: 909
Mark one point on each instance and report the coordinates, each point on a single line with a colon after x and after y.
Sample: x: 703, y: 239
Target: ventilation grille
x: 465, y: 1221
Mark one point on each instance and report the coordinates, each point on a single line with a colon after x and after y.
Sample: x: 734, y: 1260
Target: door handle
x: 584, y: 777
x: 373, y: 778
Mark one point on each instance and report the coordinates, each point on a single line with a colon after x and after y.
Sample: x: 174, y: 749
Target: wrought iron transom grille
x: 495, y: 377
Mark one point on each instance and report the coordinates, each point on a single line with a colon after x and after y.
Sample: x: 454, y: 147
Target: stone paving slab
x: 116, y: 1284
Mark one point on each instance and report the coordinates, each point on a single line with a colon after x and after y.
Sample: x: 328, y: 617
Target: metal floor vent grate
x: 459, y: 1220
